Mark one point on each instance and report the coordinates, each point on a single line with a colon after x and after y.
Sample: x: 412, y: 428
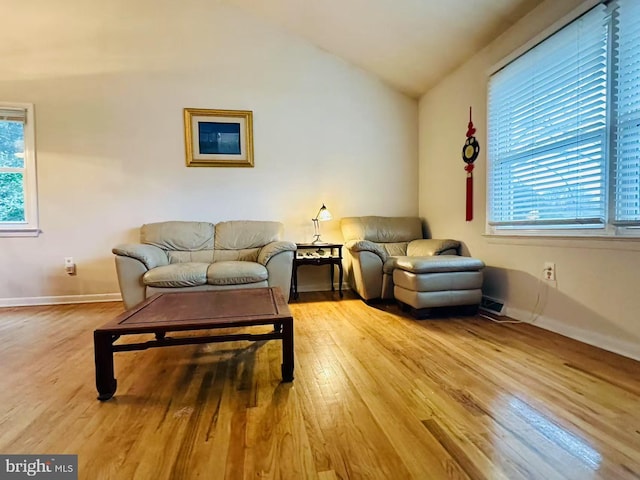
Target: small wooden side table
x: 317, y: 254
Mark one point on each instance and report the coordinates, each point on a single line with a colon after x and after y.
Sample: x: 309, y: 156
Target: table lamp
x: 322, y: 216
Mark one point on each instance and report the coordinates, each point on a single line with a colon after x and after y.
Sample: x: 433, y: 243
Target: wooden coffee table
x: 194, y: 311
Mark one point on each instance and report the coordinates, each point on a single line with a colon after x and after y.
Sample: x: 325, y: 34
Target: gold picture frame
x: 218, y: 138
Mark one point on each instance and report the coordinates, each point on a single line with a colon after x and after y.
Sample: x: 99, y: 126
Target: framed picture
x: 218, y: 138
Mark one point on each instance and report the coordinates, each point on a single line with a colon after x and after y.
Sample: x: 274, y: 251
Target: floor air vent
x: 492, y: 305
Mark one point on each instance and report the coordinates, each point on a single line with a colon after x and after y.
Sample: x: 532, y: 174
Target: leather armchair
x: 373, y: 245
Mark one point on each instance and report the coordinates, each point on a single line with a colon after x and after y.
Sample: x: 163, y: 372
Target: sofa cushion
x: 176, y: 235
x: 381, y: 229
x: 243, y: 255
x: 244, y: 234
x: 182, y: 256
x: 236, y: 273
x: 397, y: 249
x: 426, y: 247
x: 439, y: 263
x: 188, y: 274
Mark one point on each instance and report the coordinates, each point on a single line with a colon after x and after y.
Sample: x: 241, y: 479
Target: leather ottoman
x: 424, y: 283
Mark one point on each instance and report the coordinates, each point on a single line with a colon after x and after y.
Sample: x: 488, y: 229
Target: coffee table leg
x: 105, y: 381
x: 287, y: 350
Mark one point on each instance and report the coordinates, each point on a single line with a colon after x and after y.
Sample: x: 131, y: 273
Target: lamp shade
x: 324, y: 214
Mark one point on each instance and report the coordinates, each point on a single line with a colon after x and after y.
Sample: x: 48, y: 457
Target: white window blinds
x: 626, y: 177
x: 547, y: 134
x: 13, y: 114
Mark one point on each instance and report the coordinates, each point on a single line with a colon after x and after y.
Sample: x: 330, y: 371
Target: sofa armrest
x: 355, y: 246
x: 150, y: 255
x: 278, y: 258
x: 274, y: 248
x: 432, y: 246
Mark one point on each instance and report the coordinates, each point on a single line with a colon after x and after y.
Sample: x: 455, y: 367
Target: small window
x: 18, y: 187
x: 564, y: 131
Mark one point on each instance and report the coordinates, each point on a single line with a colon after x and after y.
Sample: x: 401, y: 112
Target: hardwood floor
x: 377, y: 395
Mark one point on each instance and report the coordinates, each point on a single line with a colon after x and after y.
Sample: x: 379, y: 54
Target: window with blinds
x: 18, y: 196
x: 564, y: 129
x: 626, y: 145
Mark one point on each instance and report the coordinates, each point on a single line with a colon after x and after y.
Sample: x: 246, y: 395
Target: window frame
x: 28, y: 228
x: 609, y: 230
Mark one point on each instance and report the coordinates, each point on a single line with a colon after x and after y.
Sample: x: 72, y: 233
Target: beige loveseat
x: 390, y: 258
x: 178, y: 255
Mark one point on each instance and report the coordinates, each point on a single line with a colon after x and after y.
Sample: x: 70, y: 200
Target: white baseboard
x: 60, y: 300
x: 611, y: 344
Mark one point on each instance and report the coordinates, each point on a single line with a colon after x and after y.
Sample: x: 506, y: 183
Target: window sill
x: 596, y: 242
x: 19, y: 232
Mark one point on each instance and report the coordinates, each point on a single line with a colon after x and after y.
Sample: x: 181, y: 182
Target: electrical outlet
x: 549, y: 271
x: 69, y: 265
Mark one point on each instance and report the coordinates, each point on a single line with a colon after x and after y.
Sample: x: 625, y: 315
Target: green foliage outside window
x: 11, y: 174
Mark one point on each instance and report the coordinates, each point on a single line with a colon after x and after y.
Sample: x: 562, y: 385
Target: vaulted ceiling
x: 409, y: 44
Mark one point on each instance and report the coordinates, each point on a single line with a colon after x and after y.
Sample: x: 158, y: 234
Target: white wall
x: 596, y: 296
x: 109, y: 81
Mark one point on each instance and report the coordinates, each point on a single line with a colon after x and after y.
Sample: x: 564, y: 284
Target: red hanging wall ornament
x: 470, y: 152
